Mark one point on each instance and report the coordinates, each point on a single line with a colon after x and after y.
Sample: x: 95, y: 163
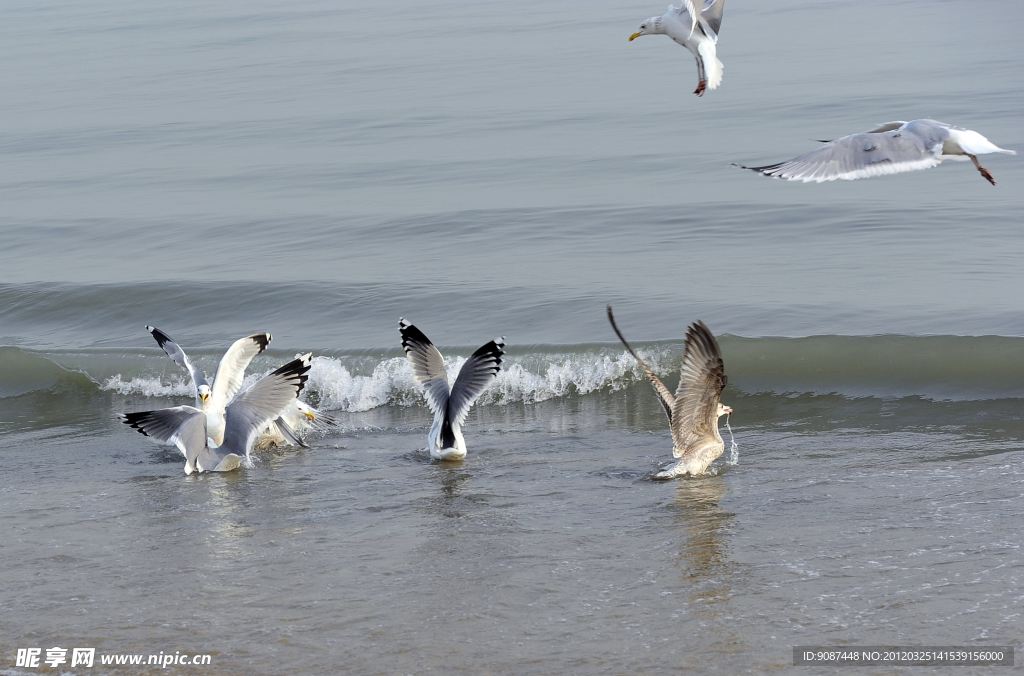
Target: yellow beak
x: 310, y: 417
x: 634, y: 36
x: 204, y: 396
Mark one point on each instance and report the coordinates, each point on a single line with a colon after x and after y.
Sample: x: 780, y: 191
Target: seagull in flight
x: 694, y: 410
x: 450, y: 404
x: 892, y: 148
x: 694, y: 24
x: 246, y: 417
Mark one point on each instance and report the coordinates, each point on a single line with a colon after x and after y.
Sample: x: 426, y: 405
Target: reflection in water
x: 450, y: 478
x: 703, y: 553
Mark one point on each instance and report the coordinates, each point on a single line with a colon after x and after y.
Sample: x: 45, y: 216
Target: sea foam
x: 349, y: 384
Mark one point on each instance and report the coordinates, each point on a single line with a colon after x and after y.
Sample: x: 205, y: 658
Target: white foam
x: 533, y: 378
x: 334, y: 384
x: 149, y: 387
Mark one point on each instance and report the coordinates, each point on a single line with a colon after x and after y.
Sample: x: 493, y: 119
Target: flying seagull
x: 694, y: 411
x: 450, y: 405
x: 695, y: 25
x: 892, y: 148
x: 246, y: 416
x: 230, y: 373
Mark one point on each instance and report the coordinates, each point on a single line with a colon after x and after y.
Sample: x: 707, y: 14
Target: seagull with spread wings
x: 246, y: 416
x: 450, y: 404
x: 891, y: 148
x: 213, y: 400
x: 694, y: 410
x: 694, y: 24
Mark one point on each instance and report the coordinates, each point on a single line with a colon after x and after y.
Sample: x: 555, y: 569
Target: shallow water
x: 318, y: 170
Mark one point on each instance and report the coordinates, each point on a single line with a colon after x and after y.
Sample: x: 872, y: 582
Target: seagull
x: 892, y: 148
x: 246, y: 416
x: 230, y: 374
x: 694, y: 24
x: 287, y: 429
x: 694, y: 411
x: 450, y: 405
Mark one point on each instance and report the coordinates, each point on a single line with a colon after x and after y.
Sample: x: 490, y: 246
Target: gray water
x: 319, y: 169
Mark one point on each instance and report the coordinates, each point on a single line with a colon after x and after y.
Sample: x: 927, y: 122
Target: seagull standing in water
x: 892, y: 148
x: 694, y: 411
x: 694, y: 25
x: 213, y: 400
x: 450, y: 404
x: 246, y: 417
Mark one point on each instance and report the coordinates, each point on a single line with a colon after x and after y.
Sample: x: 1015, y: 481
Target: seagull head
x: 306, y: 411
x: 723, y: 409
x: 650, y: 27
x: 204, y: 393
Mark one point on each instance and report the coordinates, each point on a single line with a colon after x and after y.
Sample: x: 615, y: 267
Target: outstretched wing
x: 664, y: 396
x: 712, y: 14
x: 231, y: 371
x: 701, y: 381
x: 476, y: 374
x: 427, y: 365
x: 692, y: 8
x: 182, y: 426
x: 252, y: 409
x: 874, y: 153
x: 175, y: 352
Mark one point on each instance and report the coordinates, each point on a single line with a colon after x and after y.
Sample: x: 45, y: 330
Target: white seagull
x: 450, y: 405
x: 213, y: 400
x: 694, y: 411
x: 892, y: 148
x: 246, y: 416
x: 695, y: 25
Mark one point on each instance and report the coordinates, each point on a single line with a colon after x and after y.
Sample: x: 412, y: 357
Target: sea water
x: 318, y: 170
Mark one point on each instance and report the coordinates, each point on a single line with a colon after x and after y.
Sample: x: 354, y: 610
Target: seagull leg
x: 701, y: 86
x: 702, y: 79
x: 984, y: 172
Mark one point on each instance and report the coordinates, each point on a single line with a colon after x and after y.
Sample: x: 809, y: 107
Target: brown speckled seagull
x: 694, y: 411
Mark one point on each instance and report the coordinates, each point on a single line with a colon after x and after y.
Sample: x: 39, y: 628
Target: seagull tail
x: 712, y: 66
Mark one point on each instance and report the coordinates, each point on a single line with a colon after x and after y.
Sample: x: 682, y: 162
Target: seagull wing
x: 175, y: 352
x: 664, y: 396
x: 182, y: 426
x: 693, y: 9
x: 701, y: 381
x: 252, y: 409
x: 476, y: 374
x: 875, y: 153
x: 427, y: 365
x: 231, y: 371
x: 712, y: 14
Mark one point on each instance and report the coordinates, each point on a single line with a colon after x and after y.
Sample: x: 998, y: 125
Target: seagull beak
x: 634, y: 36
x: 204, y: 396
x: 728, y: 409
x: 310, y: 416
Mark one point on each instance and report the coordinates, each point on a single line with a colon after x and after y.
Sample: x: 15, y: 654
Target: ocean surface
x: 319, y: 169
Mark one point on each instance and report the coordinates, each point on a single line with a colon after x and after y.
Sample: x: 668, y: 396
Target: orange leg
x: 984, y: 172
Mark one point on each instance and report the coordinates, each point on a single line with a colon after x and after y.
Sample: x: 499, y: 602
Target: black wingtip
x: 136, y: 420
x: 297, y: 369
x: 411, y: 335
x: 493, y: 350
x: 767, y: 170
x: 261, y: 340
x: 159, y: 336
